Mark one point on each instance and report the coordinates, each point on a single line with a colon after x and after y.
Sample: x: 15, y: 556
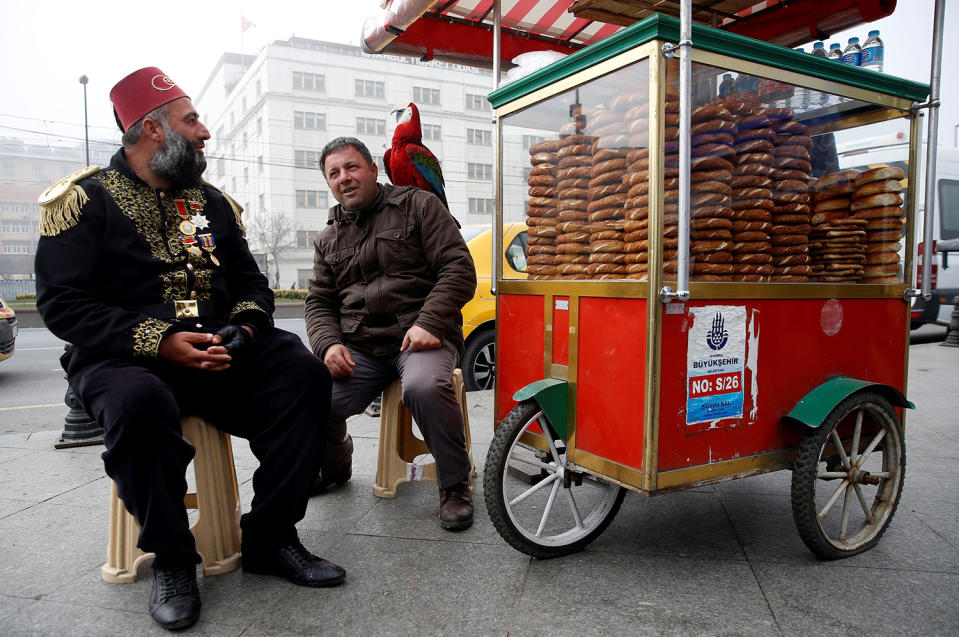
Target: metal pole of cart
x: 685, y: 45
x: 497, y: 262
x: 931, y: 148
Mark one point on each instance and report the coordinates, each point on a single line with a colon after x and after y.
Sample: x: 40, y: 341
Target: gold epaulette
x: 61, y: 203
x: 237, y: 208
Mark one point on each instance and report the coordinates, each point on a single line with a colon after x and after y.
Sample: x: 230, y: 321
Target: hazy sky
x: 46, y: 45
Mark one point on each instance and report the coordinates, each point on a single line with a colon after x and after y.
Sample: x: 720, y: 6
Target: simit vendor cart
x: 787, y: 349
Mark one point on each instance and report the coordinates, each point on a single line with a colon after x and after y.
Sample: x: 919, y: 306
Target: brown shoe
x: 456, y: 507
x: 337, y: 475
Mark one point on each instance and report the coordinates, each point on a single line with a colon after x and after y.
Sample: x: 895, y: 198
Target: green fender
x: 551, y: 395
x: 815, y: 406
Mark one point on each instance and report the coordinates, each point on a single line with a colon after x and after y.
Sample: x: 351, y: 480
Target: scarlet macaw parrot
x: 409, y: 162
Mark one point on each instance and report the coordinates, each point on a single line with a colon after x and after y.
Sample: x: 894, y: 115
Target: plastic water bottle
x: 819, y: 49
x: 872, y: 52
x: 727, y: 86
x: 835, y: 52
x: 852, y: 54
x: 800, y: 98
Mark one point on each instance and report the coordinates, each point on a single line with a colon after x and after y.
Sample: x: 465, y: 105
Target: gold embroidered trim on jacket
x: 147, y: 336
x: 61, y: 203
x: 243, y: 306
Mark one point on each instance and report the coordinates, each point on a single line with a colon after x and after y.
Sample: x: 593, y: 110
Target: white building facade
x: 271, y: 114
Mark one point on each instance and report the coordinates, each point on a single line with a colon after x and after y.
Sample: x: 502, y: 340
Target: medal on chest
x: 191, y: 221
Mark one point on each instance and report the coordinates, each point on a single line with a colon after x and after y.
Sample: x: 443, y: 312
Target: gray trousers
x: 427, y: 392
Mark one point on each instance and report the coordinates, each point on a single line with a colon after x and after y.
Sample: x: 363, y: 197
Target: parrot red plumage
x: 409, y: 162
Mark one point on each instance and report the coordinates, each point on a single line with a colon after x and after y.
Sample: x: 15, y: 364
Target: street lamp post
x: 86, y: 128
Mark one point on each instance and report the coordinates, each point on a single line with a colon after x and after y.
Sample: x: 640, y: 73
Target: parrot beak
x: 397, y: 113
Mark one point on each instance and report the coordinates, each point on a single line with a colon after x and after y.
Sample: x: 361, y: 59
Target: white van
x: 893, y: 150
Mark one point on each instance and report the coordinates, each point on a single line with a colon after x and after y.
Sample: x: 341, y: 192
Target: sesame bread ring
x: 543, y: 158
x: 784, y: 218
x: 710, y: 186
x: 837, y: 179
x: 792, y: 259
x: 547, y: 202
x: 637, y: 111
x: 785, y: 198
x: 876, y: 201
x: 638, y: 190
x: 705, y: 247
x: 750, y: 235
x: 792, y: 228
x: 573, y: 193
x: 574, y: 149
x: 754, y: 146
x: 709, y: 163
x: 710, y: 111
x: 606, y: 166
x: 792, y: 185
x: 607, y: 213
x: 541, y: 180
x: 882, y: 173
x: 636, y: 154
x: 606, y: 190
x: 571, y: 204
x: 754, y: 169
x: 752, y: 121
x: 608, y: 257
x: 713, y: 150
x: 543, y: 231
x: 606, y: 268
x: 711, y: 235
x: 747, y: 204
x: 754, y: 158
x: 740, y: 225
x: 750, y: 134
x: 753, y: 257
x: 625, y: 101
x: 548, y: 146
x: 750, y: 181
x: 575, y: 160
x: 603, y: 154
x: 572, y: 172
x: 878, y: 213
x: 877, y: 187
x: 711, y: 126
x: 542, y: 191
x: 617, y: 140
x: 788, y: 239
x: 572, y: 248
x: 752, y: 214
x: 752, y: 193
x: 793, y: 162
x: 574, y: 182
x: 791, y: 150
x: 612, y: 201
x: 573, y: 140
x: 541, y: 269
x: 613, y: 128
x: 613, y: 176
x: 542, y: 169
x: 579, y: 236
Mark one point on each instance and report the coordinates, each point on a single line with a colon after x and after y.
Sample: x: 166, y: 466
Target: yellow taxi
x: 8, y: 330
x: 479, y: 314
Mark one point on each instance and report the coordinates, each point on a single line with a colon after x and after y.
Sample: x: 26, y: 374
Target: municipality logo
x: 717, y: 335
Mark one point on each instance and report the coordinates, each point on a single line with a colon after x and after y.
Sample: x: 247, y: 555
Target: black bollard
x: 952, y: 336
x: 79, y: 427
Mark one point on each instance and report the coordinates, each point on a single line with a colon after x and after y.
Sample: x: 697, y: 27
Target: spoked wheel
x: 539, y: 504
x: 848, y: 477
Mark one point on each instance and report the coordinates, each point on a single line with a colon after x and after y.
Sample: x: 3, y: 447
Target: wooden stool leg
x: 460, y: 390
x: 217, y: 529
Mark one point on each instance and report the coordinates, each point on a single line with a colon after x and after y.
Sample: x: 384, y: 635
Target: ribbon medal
x: 191, y: 246
x: 209, y: 244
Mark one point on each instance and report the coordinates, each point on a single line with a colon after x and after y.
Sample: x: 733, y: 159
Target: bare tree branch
x: 272, y: 234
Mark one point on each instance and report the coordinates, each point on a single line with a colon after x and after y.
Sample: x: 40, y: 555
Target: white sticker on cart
x: 716, y: 355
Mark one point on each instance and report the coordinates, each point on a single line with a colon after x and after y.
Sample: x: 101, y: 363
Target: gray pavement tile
x: 94, y: 494
x: 923, y: 441
x: 836, y: 599
x: 615, y: 594
x: 685, y: 524
x: 9, y: 507
x: 47, y: 547
x: 10, y: 605
x: 9, y: 453
x: 406, y: 587
x: 767, y: 531
x: 773, y: 483
x: 46, y: 474
x: 928, y: 479
x: 41, y: 617
x: 941, y: 517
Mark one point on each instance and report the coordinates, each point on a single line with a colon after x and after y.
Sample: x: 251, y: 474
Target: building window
x: 259, y: 125
x: 306, y: 120
x: 304, y: 238
x: 17, y: 247
x: 526, y: 172
x: 378, y: 160
x: 306, y: 158
x: 479, y: 171
x: 246, y: 175
x: 38, y: 171
x: 481, y: 206
x: 308, y: 81
x: 303, y: 277
x: 259, y: 89
x: 479, y: 137
x: 426, y: 95
x: 9, y: 171
x: 311, y: 199
x: 262, y: 203
x: 367, y: 88
x: 531, y: 140
x: 431, y: 132
x: 259, y: 164
x: 476, y: 102
x: 369, y: 126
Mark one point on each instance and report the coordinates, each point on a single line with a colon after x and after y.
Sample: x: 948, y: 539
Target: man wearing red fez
x: 144, y: 268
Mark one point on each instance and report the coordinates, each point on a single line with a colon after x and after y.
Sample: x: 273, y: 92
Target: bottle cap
x: 874, y: 34
x: 800, y: 49
x: 819, y: 45
x: 835, y: 45
x: 853, y: 40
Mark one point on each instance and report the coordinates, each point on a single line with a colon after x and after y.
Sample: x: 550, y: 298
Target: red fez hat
x: 140, y: 92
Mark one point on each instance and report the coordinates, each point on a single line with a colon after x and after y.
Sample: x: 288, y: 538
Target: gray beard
x: 176, y: 161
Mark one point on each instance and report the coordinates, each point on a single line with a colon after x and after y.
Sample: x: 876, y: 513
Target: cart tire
x: 842, y: 503
x: 530, y: 503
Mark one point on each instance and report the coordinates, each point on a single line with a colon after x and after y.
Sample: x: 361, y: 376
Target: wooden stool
x: 217, y: 499
x: 399, y: 447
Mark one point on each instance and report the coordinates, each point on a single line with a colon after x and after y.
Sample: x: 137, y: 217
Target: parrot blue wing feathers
x: 429, y: 167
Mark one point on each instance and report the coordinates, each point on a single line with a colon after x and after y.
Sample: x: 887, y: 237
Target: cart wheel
x: 845, y: 492
x: 537, y: 503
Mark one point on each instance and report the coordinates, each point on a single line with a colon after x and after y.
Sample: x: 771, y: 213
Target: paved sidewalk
x: 714, y: 560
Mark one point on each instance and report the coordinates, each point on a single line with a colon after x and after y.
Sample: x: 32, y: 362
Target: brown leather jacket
x: 401, y: 263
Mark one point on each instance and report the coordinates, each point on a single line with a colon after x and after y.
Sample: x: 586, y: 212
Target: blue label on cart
x: 716, y: 356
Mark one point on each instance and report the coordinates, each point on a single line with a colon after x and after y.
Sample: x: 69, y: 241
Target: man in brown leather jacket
x: 391, y: 273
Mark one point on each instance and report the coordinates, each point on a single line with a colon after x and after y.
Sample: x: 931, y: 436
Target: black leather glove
x: 235, y: 338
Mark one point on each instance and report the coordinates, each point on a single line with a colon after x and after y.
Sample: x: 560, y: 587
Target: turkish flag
x: 245, y: 24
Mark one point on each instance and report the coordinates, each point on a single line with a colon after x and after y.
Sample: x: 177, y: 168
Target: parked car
x: 479, y: 315
x: 8, y: 330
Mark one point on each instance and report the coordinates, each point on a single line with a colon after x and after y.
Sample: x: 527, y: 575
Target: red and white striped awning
x: 460, y: 30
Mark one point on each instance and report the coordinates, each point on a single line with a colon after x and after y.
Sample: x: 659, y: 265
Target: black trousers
x: 276, y: 394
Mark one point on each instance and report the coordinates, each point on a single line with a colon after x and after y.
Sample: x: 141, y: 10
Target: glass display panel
x: 787, y: 182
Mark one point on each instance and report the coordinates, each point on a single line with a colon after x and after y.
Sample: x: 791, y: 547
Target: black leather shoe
x: 456, y: 507
x: 175, y: 601
x: 296, y: 564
